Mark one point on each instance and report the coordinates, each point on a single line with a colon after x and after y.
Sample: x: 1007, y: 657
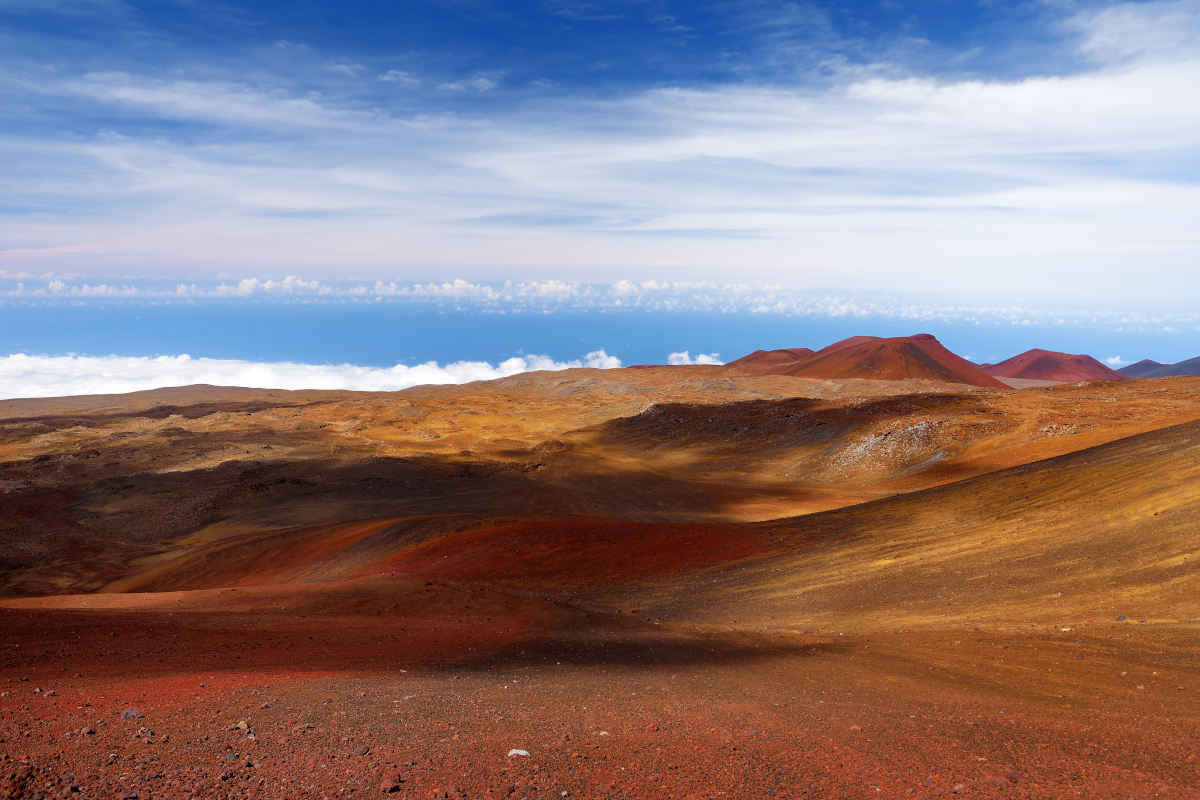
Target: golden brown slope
x: 1109, y: 531
x: 87, y: 494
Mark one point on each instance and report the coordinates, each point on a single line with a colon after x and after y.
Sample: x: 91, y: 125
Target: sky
x: 1032, y: 158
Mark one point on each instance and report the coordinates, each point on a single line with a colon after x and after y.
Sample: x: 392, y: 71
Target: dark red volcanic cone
x: 899, y: 358
x: 771, y: 362
x: 1047, y: 365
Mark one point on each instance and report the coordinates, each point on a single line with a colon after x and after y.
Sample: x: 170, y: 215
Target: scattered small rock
x: 390, y: 782
x: 514, y: 753
x: 131, y: 713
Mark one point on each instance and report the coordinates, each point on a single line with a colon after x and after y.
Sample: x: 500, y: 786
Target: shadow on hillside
x: 120, y: 644
x: 615, y: 642
x: 657, y: 648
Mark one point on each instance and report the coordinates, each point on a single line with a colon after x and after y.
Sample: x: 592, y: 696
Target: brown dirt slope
x: 87, y: 496
x: 1086, y: 537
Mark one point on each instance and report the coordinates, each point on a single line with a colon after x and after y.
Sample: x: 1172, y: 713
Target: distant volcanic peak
x: 771, y: 362
x: 855, y: 341
x: 898, y: 358
x: 1189, y: 367
x: 1156, y: 369
x: 1048, y: 365
x: 784, y: 354
x: 1142, y: 369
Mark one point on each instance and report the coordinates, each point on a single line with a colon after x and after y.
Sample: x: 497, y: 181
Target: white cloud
x: 207, y: 101
x: 685, y: 359
x: 1039, y: 187
x: 1166, y: 29
x: 251, y: 286
x: 1115, y: 361
x: 556, y: 295
x: 401, y: 77
x: 479, y: 83
x: 349, y: 70
x: 54, y: 376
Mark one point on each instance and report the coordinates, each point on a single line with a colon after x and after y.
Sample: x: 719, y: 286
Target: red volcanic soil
x: 772, y: 362
x: 427, y: 688
x: 515, y: 591
x: 1047, y: 365
x: 901, y: 358
x: 550, y: 553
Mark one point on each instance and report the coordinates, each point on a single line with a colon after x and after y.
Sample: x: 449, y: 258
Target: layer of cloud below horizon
x: 25, y: 376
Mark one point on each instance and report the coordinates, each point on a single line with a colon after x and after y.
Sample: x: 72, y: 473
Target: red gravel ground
x: 392, y: 686
x: 384, y: 595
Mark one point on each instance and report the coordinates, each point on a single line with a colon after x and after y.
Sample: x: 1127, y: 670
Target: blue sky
x: 641, y: 180
x: 1041, y: 151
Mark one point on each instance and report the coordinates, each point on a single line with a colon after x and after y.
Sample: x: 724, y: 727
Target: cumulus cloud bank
x: 555, y: 295
x: 55, y: 376
x: 686, y: 359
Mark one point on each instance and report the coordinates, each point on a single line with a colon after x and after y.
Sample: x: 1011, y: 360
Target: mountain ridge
x: 920, y: 356
x: 1049, y: 365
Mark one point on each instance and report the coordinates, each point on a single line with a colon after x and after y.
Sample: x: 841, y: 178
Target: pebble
x: 515, y: 752
x: 390, y: 782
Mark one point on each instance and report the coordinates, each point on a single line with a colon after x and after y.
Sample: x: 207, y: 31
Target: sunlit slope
x: 112, y: 487
x: 797, y: 455
x: 1106, y: 532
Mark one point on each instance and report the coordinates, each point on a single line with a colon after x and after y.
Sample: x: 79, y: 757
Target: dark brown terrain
x: 678, y: 582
